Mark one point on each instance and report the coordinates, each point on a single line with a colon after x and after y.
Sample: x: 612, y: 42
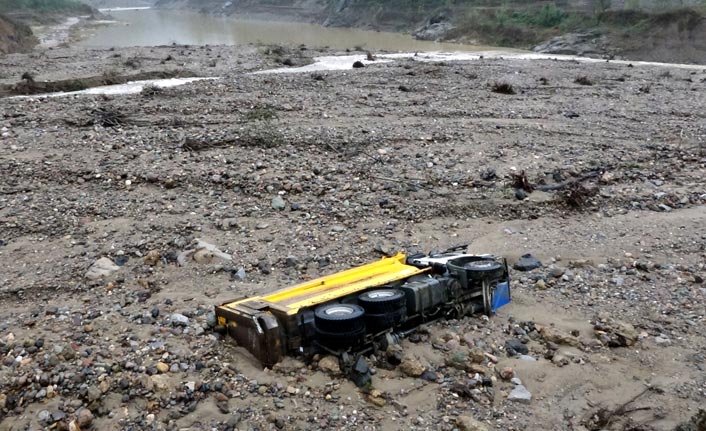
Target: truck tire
x: 341, y: 340
x: 382, y: 301
x: 375, y: 323
x: 339, y: 318
x: 484, y: 269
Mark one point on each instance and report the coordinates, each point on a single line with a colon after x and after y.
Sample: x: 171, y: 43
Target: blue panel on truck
x: 501, y: 296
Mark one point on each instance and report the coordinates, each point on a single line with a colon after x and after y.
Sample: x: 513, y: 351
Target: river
x: 149, y: 27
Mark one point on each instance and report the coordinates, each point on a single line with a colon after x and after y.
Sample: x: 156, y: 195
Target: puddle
x: 345, y: 62
x: 132, y: 87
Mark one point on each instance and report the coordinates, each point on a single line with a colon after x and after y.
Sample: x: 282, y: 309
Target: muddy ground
x: 397, y: 156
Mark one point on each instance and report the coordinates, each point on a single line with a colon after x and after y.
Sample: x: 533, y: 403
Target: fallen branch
x: 603, y: 417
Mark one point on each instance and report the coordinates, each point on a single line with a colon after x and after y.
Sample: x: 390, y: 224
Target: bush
x: 503, y: 88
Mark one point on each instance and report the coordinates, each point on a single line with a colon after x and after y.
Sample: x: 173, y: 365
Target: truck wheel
x: 375, y: 323
x: 340, y: 340
x: 339, y: 318
x: 382, y: 301
x: 484, y: 269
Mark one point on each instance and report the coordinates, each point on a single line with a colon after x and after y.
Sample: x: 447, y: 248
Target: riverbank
x: 25, y: 25
x: 670, y: 34
x: 399, y: 155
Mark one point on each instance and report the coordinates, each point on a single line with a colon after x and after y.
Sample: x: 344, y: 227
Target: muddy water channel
x: 162, y: 27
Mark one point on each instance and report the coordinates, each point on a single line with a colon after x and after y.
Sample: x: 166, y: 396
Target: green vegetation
x: 41, y: 6
x: 521, y: 26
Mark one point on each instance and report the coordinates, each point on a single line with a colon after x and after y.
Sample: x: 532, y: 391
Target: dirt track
x: 396, y: 156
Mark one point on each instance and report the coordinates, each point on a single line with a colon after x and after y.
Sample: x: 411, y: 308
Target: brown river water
x: 148, y: 27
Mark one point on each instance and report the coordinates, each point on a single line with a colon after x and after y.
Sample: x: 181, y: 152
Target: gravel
x: 363, y: 170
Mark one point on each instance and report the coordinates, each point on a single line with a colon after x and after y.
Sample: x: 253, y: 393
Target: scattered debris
x: 502, y: 88
x: 521, y: 182
x: 603, y: 417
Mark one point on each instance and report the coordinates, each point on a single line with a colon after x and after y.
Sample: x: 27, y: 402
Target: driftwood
x: 603, y: 417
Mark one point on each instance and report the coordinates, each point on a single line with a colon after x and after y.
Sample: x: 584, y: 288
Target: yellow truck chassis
x: 365, y: 308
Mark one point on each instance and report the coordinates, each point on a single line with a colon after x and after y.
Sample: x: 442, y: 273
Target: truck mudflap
x: 257, y: 331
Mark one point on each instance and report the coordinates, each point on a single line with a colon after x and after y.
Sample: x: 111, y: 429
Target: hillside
x: 15, y: 37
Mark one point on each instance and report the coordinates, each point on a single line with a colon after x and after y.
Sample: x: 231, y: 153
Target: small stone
x: 329, y: 364
x: 264, y: 267
x: 540, y: 284
x: 378, y: 401
x: 476, y: 355
x: 203, y: 255
x: 152, y: 258
x: 662, y: 341
x: 94, y: 393
x: 520, y: 194
x: 467, y: 423
x: 516, y: 381
x: 278, y: 203
x: 557, y: 272
x: 560, y: 360
x: 507, y: 373
x: 412, y: 367
x: 238, y: 275
x: 527, y: 263
x: 44, y: 416
x: 85, y: 418
x: 211, y: 320
x: 515, y: 346
x: 554, y: 335
x: 100, y: 268
x: 162, y: 367
x: 178, y: 319
x: 429, y: 376
x: 457, y: 360
x: 528, y: 358
x: 520, y: 394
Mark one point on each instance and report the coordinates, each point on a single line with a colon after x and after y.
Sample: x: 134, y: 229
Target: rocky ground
x: 106, y: 296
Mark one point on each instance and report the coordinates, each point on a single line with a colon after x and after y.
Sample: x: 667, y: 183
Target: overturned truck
x: 365, y: 309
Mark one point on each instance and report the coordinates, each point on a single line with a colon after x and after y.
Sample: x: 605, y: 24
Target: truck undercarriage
x: 365, y: 309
